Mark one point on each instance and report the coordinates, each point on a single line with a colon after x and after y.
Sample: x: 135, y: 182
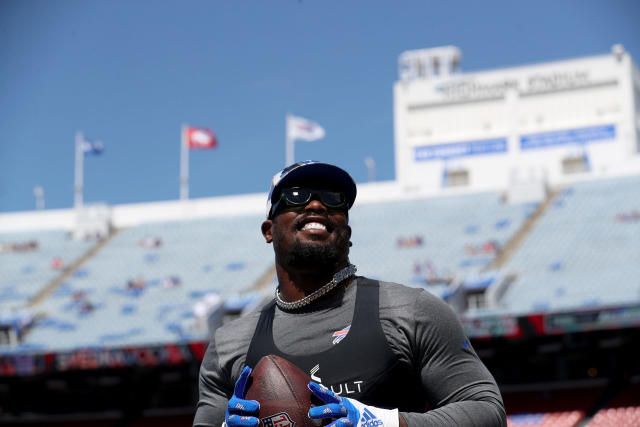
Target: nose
x: 315, y: 205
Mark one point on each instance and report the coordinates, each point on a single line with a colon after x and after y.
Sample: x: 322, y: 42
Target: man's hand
x: 349, y: 412
x: 241, y: 412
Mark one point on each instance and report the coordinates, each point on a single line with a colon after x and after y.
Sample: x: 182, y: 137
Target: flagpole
x: 38, y: 191
x: 289, y: 145
x: 184, y: 164
x: 79, y: 166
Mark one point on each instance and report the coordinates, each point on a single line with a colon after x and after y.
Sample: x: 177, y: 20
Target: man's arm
x: 221, y: 367
x: 214, y: 390
x: 424, y: 332
x: 459, y: 387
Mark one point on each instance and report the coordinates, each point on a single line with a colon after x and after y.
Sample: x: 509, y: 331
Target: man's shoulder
x: 407, y: 307
x: 239, y: 328
x: 394, y: 294
x: 395, y: 289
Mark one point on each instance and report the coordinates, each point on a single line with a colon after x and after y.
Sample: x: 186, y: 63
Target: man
x: 394, y: 353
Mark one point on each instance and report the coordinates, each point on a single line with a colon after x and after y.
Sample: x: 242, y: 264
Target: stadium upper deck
x: 158, y: 283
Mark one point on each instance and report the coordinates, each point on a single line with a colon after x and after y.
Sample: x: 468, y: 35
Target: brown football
x: 281, y: 388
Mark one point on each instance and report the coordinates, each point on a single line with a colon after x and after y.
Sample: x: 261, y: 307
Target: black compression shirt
x: 422, y: 333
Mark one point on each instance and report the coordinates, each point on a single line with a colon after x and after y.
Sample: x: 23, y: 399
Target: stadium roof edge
x: 472, y: 73
x: 126, y: 215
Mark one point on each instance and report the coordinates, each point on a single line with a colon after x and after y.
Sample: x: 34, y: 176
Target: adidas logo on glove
x: 350, y: 412
x: 369, y: 420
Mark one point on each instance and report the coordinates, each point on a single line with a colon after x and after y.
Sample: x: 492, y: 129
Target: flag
x: 92, y: 147
x: 301, y: 128
x: 201, y: 138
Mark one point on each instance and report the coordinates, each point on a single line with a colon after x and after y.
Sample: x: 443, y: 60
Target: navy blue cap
x: 312, y: 174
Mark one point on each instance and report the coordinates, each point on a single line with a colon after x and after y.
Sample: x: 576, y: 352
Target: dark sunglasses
x: 299, y: 196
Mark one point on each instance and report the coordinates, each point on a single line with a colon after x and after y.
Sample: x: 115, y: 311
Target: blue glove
x: 241, y: 412
x: 349, y: 412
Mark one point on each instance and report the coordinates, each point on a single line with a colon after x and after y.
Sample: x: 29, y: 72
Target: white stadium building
x: 549, y: 123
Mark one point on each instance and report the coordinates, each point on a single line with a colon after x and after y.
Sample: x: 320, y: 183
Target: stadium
x: 515, y: 200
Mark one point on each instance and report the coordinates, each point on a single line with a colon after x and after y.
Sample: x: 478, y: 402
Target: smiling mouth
x: 314, y: 226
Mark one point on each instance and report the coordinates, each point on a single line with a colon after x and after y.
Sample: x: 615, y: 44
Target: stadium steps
x: 514, y: 243
x: 613, y: 389
x: 54, y: 283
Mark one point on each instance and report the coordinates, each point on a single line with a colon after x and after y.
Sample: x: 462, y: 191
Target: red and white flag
x: 201, y: 138
x: 303, y: 129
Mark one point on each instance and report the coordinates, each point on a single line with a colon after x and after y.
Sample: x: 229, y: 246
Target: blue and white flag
x: 92, y: 147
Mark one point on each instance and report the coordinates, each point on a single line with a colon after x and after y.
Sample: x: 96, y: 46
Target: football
x: 281, y: 388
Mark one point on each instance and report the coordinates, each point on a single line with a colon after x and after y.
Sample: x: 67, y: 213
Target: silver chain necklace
x: 341, y: 275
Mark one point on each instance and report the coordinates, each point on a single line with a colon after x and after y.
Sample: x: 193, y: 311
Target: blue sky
x: 129, y: 73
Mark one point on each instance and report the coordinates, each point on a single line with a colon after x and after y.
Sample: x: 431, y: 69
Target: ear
x: 266, y: 228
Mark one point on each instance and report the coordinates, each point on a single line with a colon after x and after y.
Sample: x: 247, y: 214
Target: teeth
x: 314, y: 226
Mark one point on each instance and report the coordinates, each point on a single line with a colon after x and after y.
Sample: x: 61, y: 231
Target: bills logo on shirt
x: 339, y: 335
x: 281, y: 419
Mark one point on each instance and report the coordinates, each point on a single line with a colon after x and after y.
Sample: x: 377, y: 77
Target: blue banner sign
x: 563, y: 137
x: 460, y: 149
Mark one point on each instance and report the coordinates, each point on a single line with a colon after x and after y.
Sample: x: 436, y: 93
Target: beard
x: 312, y: 255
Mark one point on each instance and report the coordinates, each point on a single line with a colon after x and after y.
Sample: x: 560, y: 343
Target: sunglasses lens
x: 297, y: 196
x: 332, y: 199
x: 302, y: 196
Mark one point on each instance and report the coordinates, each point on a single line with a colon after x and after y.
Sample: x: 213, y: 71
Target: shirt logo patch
x: 281, y: 419
x: 339, y: 335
